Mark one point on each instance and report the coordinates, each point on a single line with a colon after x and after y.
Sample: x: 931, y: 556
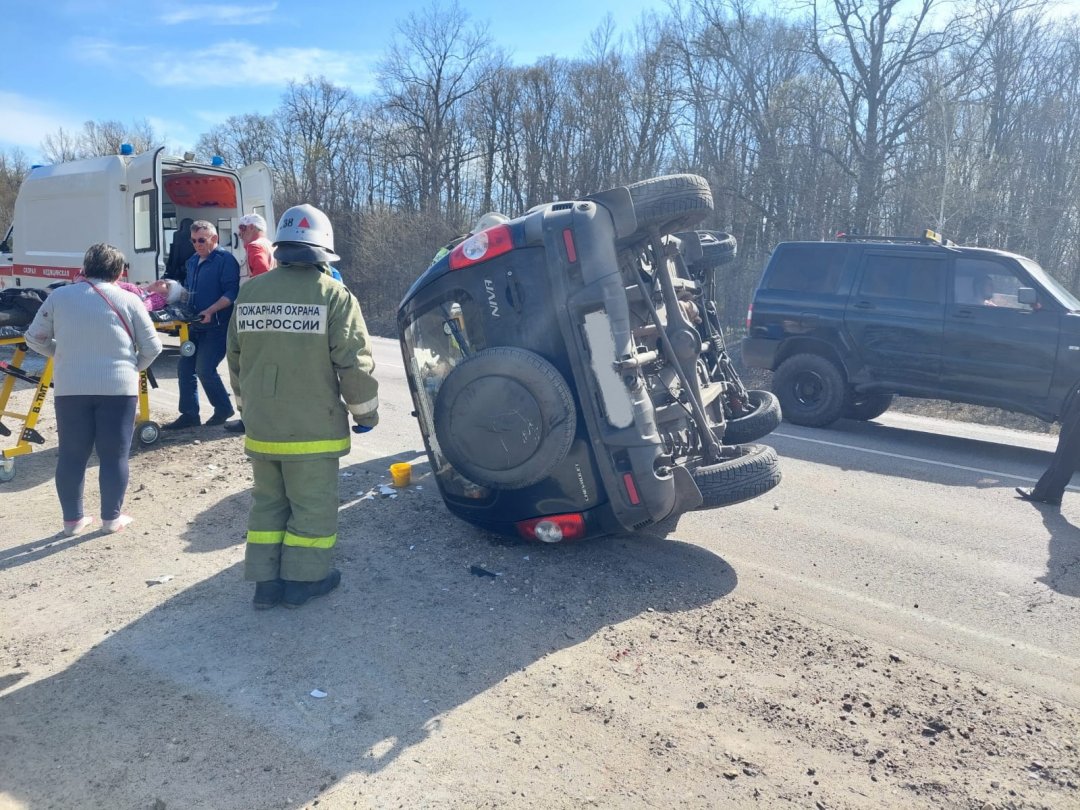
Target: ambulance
x: 134, y: 202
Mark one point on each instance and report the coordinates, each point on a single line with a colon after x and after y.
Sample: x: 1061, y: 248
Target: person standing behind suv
x: 260, y: 253
x: 212, y: 282
x: 1051, y: 486
x: 259, y: 259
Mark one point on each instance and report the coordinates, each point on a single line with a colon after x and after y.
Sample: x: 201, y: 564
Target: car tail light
x: 553, y: 528
x: 571, y: 249
x: 749, y: 316
x: 482, y: 246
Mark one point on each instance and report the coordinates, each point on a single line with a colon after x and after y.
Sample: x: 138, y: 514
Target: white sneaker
x: 73, y: 527
x: 117, y: 524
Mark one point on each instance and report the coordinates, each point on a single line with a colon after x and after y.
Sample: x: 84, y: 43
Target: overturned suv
x: 569, y: 371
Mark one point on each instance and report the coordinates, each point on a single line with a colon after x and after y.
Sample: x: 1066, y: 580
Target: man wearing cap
x: 259, y: 258
x: 300, y: 363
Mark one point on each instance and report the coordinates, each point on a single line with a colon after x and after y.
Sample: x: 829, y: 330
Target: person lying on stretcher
x: 157, y: 294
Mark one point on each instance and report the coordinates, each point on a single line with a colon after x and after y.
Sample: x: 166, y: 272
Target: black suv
x: 846, y: 325
x: 569, y: 373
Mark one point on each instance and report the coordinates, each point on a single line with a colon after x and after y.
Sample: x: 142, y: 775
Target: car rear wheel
x: 763, y: 418
x: 867, y: 406
x: 751, y: 470
x: 811, y: 390
x: 671, y: 202
x: 505, y: 418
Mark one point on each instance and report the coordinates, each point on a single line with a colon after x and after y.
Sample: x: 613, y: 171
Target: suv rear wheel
x: 866, y: 406
x: 811, y: 390
x: 752, y: 470
x: 671, y: 202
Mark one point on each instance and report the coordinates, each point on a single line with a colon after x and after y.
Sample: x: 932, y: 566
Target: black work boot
x: 268, y: 593
x: 298, y: 593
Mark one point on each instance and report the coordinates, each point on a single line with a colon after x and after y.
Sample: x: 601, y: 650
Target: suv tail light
x: 482, y: 246
x: 749, y: 316
x: 553, y: 528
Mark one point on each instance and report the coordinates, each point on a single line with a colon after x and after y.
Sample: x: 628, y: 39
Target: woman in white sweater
x: 100, y: 337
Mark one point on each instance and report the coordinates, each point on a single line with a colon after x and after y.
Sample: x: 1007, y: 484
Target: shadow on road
x: 205, y: 702
x: 904, y: 453
x: 1063, y: 565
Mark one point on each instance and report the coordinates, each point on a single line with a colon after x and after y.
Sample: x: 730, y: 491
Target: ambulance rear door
x: 257, y: 194
x: 145, y: 249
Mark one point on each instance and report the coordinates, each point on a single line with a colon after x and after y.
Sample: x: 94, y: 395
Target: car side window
x: 985, y: 282
x: 814, y: 268
x: 902, y: 277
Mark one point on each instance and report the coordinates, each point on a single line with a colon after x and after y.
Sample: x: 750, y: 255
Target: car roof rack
x: 928, y: 237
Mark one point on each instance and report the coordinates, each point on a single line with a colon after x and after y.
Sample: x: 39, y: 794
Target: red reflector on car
x: 553, y: 528
x: 631, y: 488
x: 482, y: 246
x: 568, y: 240
x: 749, y: 316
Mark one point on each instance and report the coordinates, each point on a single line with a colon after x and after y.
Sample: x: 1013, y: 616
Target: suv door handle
x: 962, y: 313
x: 864, y: 305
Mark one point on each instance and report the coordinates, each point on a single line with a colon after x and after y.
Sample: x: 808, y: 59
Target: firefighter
x: 299, y: 363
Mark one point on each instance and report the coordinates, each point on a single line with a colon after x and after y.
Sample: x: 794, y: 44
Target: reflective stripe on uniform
x: 309, y: 542
x: 297, y: 448
x: 363, y: 408
x: 265, y: 538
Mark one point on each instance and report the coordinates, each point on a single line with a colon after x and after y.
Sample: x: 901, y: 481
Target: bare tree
x: 436, y: 61
x: 97, y: 138
x: 872, y: 56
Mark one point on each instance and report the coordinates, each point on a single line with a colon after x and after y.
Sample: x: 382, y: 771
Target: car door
x: 895, y: 315
x: 994, y: 345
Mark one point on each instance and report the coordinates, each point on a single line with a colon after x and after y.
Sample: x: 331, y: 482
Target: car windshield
x: 1067, y: 299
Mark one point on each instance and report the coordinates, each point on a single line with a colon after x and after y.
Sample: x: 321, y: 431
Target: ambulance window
x: 224, y: 231
x: 145, y: 233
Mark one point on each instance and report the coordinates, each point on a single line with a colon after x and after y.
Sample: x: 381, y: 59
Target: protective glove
x: 365, y: 422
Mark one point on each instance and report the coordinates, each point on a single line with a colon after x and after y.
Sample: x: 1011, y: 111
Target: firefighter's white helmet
x: 490, y: 220
x: 305, y: 226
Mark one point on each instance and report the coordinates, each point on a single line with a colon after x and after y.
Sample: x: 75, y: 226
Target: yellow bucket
x: 401, y: 473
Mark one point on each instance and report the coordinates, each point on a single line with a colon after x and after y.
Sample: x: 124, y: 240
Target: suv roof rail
x: 928, y: 237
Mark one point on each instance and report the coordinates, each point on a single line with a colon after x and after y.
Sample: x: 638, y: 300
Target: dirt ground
x: 459, y: 670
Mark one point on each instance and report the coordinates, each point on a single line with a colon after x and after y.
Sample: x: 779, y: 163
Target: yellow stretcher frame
x: 146, y: 430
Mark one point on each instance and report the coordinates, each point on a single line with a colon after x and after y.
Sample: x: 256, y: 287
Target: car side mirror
x: 1027, y: 295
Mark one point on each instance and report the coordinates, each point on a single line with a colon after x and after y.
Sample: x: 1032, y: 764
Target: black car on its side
x: 569, y: 373
x: 846, y: 325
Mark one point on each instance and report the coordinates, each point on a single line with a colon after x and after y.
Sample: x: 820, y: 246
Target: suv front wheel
x: 811, y: 390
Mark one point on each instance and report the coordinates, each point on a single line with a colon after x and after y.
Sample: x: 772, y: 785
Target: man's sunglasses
x: 202, y: 240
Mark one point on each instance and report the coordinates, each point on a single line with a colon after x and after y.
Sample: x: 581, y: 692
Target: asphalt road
x: 904, y: 530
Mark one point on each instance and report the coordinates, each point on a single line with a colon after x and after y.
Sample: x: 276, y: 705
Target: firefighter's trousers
x: 292, y: 527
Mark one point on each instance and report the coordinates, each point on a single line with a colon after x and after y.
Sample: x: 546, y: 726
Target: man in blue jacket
x: 211, y: 283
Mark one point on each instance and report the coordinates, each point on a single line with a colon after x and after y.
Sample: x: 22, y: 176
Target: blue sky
x: 188, y: 66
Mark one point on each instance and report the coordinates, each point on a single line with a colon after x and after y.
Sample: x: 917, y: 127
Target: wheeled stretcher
x: 27, y: 435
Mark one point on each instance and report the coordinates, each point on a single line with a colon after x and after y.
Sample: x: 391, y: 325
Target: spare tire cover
x: 505, y: 418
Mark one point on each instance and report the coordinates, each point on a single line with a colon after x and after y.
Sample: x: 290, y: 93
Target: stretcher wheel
x: 187, y: 348
x: 7, y: 470
x: 148, y: 432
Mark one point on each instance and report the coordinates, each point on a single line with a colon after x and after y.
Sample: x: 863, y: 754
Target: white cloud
x: 232, y: 63
x: 27, y: 122
x: 220, y: 15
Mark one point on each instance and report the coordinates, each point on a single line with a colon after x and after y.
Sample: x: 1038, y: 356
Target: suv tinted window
x: 905, y: 277
x: 986, y: 282
x: 813, y: 268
